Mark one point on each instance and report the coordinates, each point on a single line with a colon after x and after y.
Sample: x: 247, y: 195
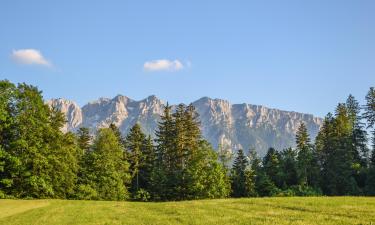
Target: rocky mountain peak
x: 232, y: 126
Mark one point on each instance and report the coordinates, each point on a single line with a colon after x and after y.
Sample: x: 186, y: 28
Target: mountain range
x: 233, y: 126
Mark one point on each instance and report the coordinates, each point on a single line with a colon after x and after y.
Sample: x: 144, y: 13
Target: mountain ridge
x: 233, y: 126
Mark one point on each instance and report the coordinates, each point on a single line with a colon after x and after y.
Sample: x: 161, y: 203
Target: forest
x: 38, y: 160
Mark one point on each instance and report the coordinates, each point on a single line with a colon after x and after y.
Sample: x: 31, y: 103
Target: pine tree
x: 369, y: 115
x: 271, y: 165
x: 148, y: 164
x: 84, y: 139
x: 238, y: 175
x: 359, y: 134
x: 308, y: 168
x: 359, y: 141
x: 289, y: 167
x: 335, y: 145
x: 242, y: 177
x: 164, y: 146
x: 186, y: 165
x: 135, y: 141
x: 118, y: 134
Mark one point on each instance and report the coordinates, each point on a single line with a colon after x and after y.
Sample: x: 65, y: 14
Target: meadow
x: 284, y: 210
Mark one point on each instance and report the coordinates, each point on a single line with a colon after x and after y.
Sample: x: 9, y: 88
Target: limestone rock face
x: 232, y: 126
x: 71, y: 110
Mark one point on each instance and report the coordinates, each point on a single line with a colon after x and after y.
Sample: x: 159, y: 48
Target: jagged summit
x: 233, y: 126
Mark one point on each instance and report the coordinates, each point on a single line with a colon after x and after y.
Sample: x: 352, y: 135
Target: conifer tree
x: 271, y: 165
x: 148, y: 164
x: 238, y: 178
x: 369, y: 115
x: 335, y: 144
x: 164, y: 145
x: 135, y: 141
x: 84, y: 138
x: 289, y: 167
x: 307, y: 161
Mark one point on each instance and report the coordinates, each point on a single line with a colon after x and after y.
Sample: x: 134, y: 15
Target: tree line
x: 38, y: 160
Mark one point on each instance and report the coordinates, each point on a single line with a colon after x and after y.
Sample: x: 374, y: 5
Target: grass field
x: 296, y: 210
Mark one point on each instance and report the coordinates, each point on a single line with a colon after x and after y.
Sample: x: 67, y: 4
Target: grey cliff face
x: 232, y: 126
x: 71, y: 110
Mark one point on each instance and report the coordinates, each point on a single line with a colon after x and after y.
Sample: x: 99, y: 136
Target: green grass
x: 294, y: 210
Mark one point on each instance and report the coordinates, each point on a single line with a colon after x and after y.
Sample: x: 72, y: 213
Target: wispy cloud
x: 29, y: 57
x: 163, y: 65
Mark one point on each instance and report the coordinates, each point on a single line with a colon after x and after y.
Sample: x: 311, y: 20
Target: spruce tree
x: 84, y: 138
x: 242, y: 177
x: 271, y: 165
x: 135, y: 141
x: 335, y: 145
x: 289, y: 167
x: 238, y: 179
x: 164, y: 146
x: 307, y: 161
x: 369, y: 115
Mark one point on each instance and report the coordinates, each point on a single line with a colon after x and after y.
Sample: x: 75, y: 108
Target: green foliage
x: 299, y: 190
x: 38, y: 160
x: 289, y: 167
x: 141, y: 155
x: 264, y: 185
x: 272, y: 167
x: 186, y: 166
x: 84, y: 139
x: 106, y: 170
x: 242, y: 177
x: 142, y: 195
x: 307, y: 159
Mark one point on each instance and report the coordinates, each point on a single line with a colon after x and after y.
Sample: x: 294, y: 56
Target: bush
x: 300, y: 190
x: 142, y: 195
x: 86, y: 192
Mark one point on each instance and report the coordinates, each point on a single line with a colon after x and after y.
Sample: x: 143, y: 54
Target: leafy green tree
x: 64, y: 159
x: 206, y: 176
x: 107, y: 172
x: 29, y: 144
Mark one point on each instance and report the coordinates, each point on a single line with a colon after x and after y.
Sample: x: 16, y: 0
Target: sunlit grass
x: 295, y: 210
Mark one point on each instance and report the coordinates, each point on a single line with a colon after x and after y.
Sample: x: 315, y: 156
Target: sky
x: 303, y: 56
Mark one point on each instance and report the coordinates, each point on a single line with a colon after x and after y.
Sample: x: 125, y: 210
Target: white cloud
x: 29, y: 57
x: 163, y: 65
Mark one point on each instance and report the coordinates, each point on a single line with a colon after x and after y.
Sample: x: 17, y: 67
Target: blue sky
x: 303, y: 56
